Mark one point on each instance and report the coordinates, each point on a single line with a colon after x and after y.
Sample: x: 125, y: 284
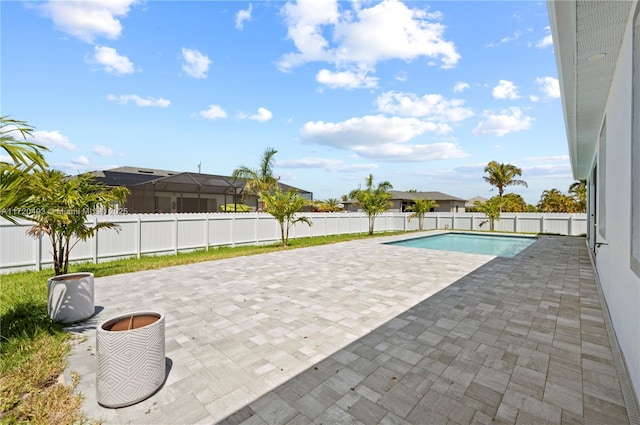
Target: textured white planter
x: 130, y: 358
x: 71, y: 297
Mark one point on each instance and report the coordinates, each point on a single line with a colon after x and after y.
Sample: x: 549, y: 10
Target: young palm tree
x: 21, y: 151
x: 491, y: 208
x: 59, y: 206
x: 283, y: 206
x: 503, y: 175
x: 372, y: 200
x: 26, y: 157
x: 420, y: 208
x: 259, y: 180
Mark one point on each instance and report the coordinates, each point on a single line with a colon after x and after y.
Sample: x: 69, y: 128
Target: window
x: 635, y: 149
x: 601, y: 216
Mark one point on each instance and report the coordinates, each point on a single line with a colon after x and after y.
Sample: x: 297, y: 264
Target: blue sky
x: 422, y: 94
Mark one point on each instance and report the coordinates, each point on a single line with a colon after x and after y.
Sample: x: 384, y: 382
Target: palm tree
x: 59, y: 206
x: 373, y: 201
x: 20, y: 151
x: 552, y: 200
x: 259, y: 180
x: 503, y: 175
x: 579, y: 192
x: 512, y: 202
x: 329, y: 205
x: 26, y: 157
x: 283, y: 206
x: 492, y: 208
x: 420, y: 208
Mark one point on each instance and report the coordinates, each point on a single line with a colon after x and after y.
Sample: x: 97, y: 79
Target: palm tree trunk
x: 372, y: 219
x: 421, y: 222
x: 283, y: 235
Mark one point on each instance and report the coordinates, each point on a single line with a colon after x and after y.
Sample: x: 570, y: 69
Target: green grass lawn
x: 33, y: 350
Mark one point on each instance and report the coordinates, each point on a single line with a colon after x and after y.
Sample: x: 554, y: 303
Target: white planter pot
x: 71, y: 297
x: 130, y: 358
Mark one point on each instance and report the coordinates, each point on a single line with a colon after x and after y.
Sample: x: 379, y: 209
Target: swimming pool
x: 501, y: 246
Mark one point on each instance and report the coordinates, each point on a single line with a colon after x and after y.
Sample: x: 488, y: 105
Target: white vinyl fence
x: 160, y: 234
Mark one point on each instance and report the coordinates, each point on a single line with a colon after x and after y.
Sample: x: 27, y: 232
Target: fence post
x: 437, y: 217
x: 233, y: 223
x: 542, y: 223
x: 38, y: 246
x: 570, y: 225
x: 95, y: 241
x: 206, y: 230
x: 139, y: 237
x: 175, y: 234
x: 324, y: 226
x: 255, y: 228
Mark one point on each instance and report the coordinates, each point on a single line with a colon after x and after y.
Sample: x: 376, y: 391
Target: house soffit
x: 587, y: 39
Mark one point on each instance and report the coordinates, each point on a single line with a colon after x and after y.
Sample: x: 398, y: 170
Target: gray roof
x: 410, y: 196
x: 174, y: 181
x: 472, y: 201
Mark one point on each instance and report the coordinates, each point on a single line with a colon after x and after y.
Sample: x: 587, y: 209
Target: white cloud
x: 539, y: 159
x: 367, y: 130
x: 214, y: 112
x: 548, y: 171
x: 111, y: 61
x: 346, y: 79
x: 430, y: 106
x: 242, y: 16
x: 81, y: 160
x: 333, y: 165
x: 507, y: 121
x: 364, y: 36
x: 263, y: 115
x: 546, y: 41
x: 550, y: 86
x: 505, y: 90
x: 52, y: 139
x: 460, y: 87
x: 534, y: 98
x: 101, y: 150
x: 123, y: 99
x: 87, y: 20
x: 195, y: 63
x: 392, y: 152
x: 382, y: 138
x: 402, y: 76
x: 516, y: 35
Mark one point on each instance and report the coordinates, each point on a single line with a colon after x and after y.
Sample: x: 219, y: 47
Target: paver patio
x: 362, y: 332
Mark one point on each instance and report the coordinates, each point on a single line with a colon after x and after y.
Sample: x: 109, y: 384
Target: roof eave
x: 563, y: 14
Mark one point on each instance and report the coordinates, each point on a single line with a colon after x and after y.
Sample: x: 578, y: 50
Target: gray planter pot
x: 130, y: 358
x: 71, y: 297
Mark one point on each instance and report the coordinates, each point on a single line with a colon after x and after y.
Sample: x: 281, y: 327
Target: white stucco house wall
x: 597, y: 48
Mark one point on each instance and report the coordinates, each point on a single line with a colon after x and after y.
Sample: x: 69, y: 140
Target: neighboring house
x: 158, y: 191
x: 401, y: 200
x: 597, y: 48
x: 446, y: 203
x: 471, y: 203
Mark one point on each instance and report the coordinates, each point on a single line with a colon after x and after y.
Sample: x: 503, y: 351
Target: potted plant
x: 70, y: 297
x: 130, y: 355
x: 59, y: 206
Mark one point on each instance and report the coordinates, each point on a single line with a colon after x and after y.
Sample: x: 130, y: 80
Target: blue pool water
x: 501, y: 246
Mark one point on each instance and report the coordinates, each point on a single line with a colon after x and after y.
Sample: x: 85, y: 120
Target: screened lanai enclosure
x: 160, y: 191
